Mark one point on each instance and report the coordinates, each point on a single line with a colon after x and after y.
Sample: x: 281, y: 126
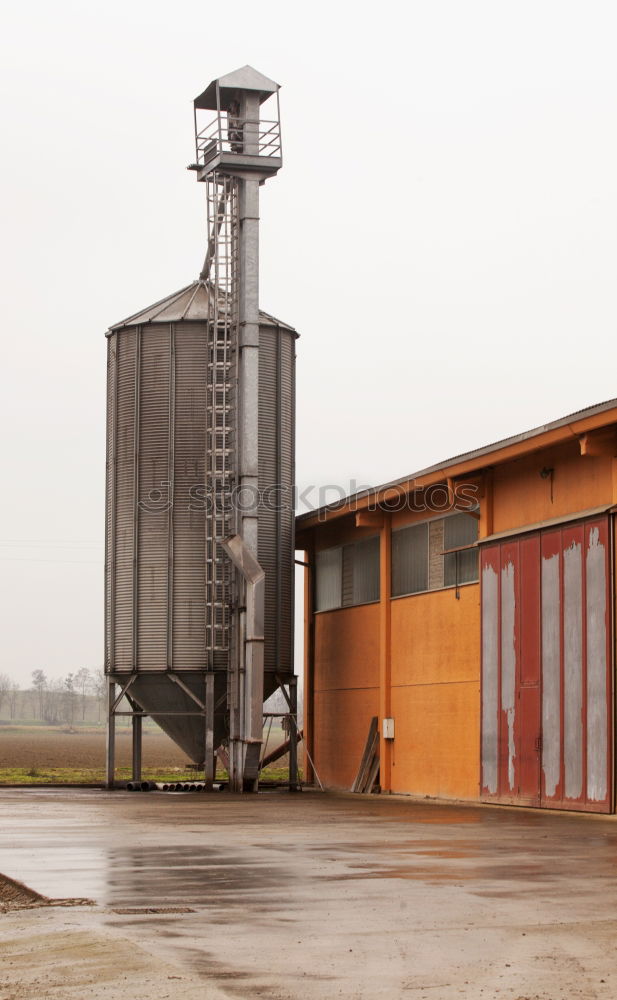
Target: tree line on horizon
x: 77, y: 697
x: 57, y: 700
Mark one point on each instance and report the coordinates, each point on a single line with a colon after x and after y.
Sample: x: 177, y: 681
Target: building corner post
x: 385, y: 675
x: 309, y: 668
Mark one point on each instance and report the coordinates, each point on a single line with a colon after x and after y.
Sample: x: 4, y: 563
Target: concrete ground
x: 306, y: 896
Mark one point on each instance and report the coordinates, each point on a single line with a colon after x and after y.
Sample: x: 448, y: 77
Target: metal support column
x: 294, y: 785
x: 137, y: 744
x: 209, y: 758
x: 111, y: 735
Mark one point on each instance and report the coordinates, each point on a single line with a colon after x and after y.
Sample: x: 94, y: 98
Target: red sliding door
x: 546, y: 668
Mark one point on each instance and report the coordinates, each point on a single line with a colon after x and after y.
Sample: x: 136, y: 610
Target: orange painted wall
x: 436, y: 693
x: 341, y: 532
x: 522, y: 496
x: 435, y: 640
x: 346, y: 690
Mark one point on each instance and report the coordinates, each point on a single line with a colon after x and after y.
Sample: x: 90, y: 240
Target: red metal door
x: 598, y: 666
x: 491, y: 671
x: 511, y: 671
x: 529, y: 723
x: 576, y: 667
x: 552, y: 669
x: 509, y: 651
x: 546, y: 655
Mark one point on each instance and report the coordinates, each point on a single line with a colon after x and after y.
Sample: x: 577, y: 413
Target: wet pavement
x: 314, y: 895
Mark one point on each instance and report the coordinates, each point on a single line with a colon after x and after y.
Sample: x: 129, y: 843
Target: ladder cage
x: 221, y: 406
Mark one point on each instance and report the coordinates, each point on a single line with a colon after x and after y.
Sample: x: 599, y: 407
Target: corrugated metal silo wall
x: 276, y: 483
x: 153, y: 472
x: 155, y: 617
x: 188, y: 621
x: 121, y: 500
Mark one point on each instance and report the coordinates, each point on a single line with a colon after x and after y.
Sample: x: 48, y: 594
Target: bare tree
x: 5, y: 687
x: 69, y: 687
x: 83, y: 686
x: 99, y: 686
x: 12, y: 697
x: 54, y: 702
x: 39, y: 683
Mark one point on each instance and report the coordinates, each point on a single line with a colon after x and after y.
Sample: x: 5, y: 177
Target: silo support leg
x: 292, y: 704
x: 137, y: 743
x: 293, y: 735
x: 111, y: 736
x: 209, y: 757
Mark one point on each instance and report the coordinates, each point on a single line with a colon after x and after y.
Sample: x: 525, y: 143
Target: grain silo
x: 200, y: 472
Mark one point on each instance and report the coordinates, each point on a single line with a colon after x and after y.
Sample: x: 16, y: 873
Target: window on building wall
x: 328, y: 579
x: 420, y: 557
x: 462, y: 566
x: 364, y: 558
x: 347, y: 575
x: 410, y: 559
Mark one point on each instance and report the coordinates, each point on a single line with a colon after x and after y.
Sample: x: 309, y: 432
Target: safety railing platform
x: 230, y: 144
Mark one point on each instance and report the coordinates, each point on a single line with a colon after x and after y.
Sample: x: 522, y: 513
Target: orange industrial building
x: 470, y: 607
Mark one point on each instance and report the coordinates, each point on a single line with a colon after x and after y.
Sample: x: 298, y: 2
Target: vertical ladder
x: 222, y: 364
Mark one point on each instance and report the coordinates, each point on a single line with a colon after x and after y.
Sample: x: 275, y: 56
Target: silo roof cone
x: 193, y: 302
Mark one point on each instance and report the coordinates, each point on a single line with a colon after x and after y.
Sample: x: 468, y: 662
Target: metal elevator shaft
x: 235, y: 622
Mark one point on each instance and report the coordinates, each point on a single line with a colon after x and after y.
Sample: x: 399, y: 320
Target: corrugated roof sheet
x: 189, y: 303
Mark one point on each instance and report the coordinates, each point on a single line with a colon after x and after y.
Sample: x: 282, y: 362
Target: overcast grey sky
x: 443, y: 235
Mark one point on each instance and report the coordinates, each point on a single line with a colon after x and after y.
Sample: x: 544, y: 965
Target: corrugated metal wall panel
x: 154, y: 500
x: 551, y: 676
x: 598, y: 659
x: 269, y: 551
x: 572, y: 544
x: 509, y: 660
x: 287, y: 521
x: 490, y: 671
x: 551, y: 665
x: 110, y: 472
x: 276, y: 482
x: 510, y: 666
x: 188, y: 518
x: 172, y: 369
x: 577, y: 707
x: 529, y: 726
x: 124, y: 500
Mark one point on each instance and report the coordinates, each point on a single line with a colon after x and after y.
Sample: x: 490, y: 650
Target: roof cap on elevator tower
x: 229, y: 86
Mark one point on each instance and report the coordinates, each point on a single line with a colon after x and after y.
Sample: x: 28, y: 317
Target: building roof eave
x: 570, y: 426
